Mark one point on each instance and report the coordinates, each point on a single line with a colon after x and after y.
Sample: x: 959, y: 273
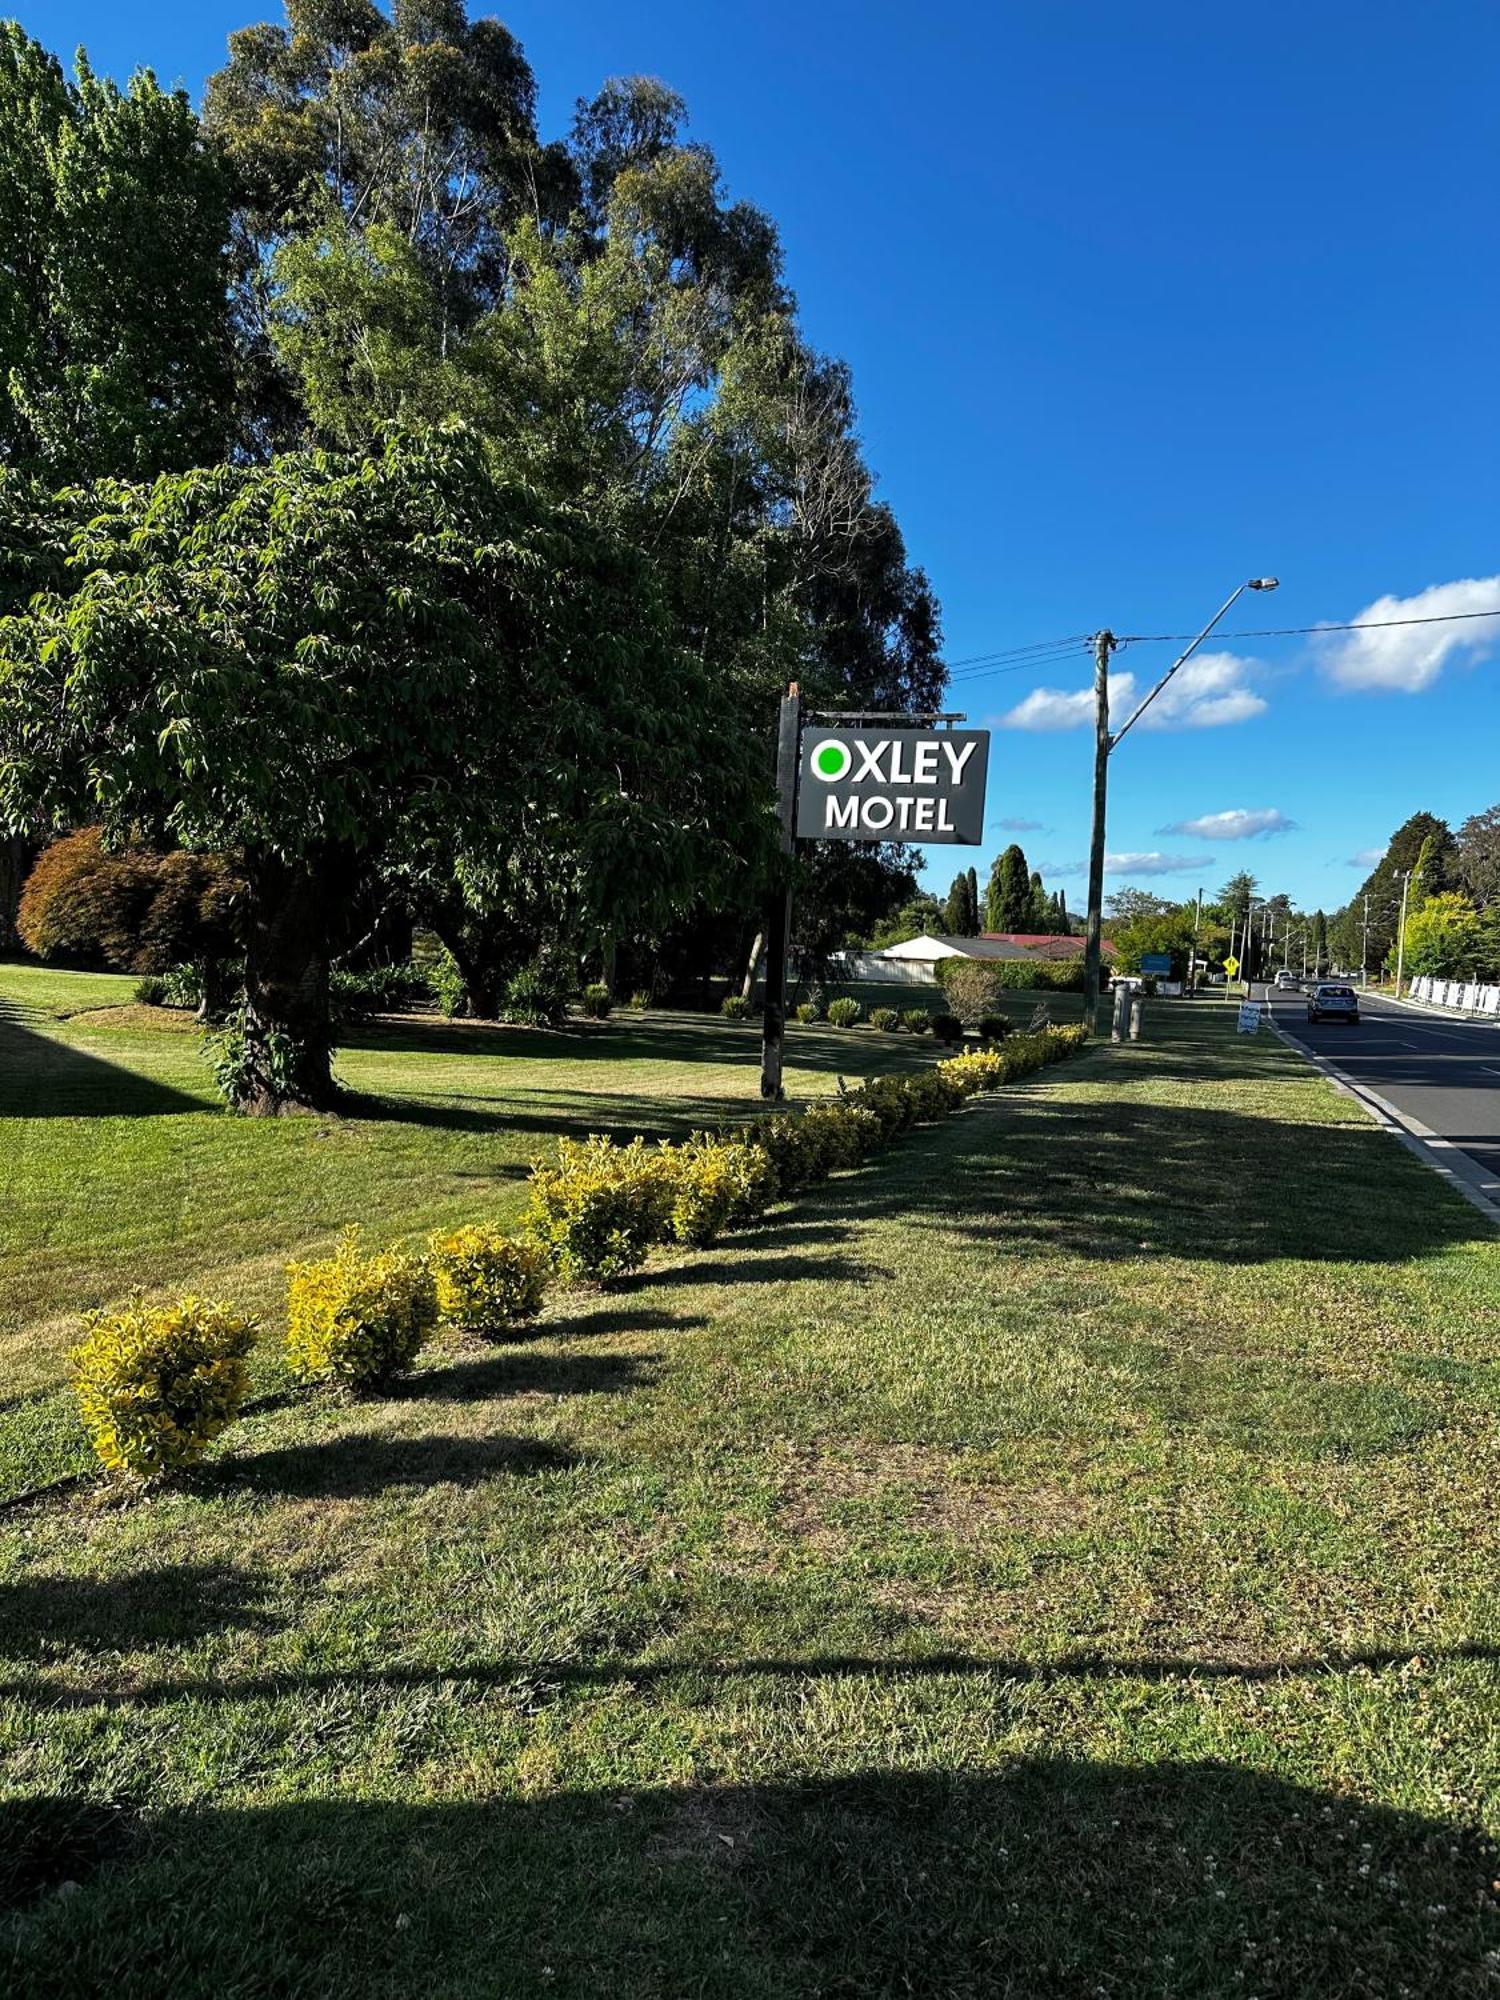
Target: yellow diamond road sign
x: 1231, y: 966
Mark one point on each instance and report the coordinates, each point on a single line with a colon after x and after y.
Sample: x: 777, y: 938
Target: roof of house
x: 1047, y: 944
x: 929, y: 947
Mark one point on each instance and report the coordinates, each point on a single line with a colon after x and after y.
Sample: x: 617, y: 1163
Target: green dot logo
x: 831, y: 761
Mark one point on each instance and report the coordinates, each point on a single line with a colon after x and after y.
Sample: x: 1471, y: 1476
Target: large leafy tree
x: 1477, y: 863
x: 1421, y: 847
x: 614, y: 328
x: 114, y: 329
x: 332, y: 664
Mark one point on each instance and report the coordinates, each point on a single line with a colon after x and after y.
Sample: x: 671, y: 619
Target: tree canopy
x: 114, y: 323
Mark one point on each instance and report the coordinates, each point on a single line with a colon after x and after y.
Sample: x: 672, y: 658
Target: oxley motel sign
x: 864, y: 777
x: 895, y: 784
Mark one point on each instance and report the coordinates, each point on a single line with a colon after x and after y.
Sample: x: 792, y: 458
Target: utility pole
x: 1401, y: 933
x: 779, y: 916
x: 1364, y: 946
x: 1104, y: 645
x: 1192, y: 985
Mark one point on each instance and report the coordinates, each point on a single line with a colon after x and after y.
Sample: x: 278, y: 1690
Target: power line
x: 1297, y: 631
x: 1015, y: 652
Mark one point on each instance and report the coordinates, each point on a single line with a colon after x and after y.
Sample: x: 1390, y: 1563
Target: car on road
x: 1286, y: 982
x: 1333, y: 1003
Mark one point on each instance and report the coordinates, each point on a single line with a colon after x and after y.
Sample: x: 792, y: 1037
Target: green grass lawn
x: 1059, y: 1559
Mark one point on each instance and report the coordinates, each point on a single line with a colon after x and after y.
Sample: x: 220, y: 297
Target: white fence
x: 1468, y: 995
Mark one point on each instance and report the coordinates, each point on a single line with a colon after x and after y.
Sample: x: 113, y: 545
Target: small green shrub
x: 358, y: 1320
x: 916, y: 1020
x: 932, y: 1094
x: 151, y: 991
x: 887, y: 1020
x: 807, y: 1010
x: 718, y: 1183
x: 383, y: 989
x: 597, y: 1000
x: 886, y: 1099
x: 536, y: 997
x: 993, y: 1028
x: 842, y: 1132
x: 446, y: 983
x: 182, y: 986
x: 640, y: 1000
x: 947, y: 1028
x: 734, y: 1006
x: 598, y: 1207
x: 794, y: 1162
x: 817, y: 999
x: 157, y: 1384
x: 487, y: 1282
x: 844, y: 1013
x: 976, y: 1070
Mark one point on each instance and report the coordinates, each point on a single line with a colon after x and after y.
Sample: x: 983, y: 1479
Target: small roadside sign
x: 1157, y: 963
x: 1231, y: 966
x: 1249, y: 1022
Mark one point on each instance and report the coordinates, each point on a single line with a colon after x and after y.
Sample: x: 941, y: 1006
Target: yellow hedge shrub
x: 356, y: 1319
x: 157, y: 1384
x: 717, y: 1184
x: 487, y: 1282
x: 598, y: 1207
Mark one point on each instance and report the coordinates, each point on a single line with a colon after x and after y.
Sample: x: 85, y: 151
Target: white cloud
x: 1052, y: 708
x: 1021, y: 825
x: 1410, y: 657
x: 1209, y: 691
x: 1238, y: 823
x: 1131, y: 864
x: 1205, y: 694
x: 1156, y: 864
x: 1366, y: 858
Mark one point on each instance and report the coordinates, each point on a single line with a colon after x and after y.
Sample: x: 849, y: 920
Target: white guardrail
x: 1468, y: 995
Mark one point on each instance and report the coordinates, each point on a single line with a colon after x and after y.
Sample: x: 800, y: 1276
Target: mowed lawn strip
x: 118, y: 1168
x: 1057, y: 1559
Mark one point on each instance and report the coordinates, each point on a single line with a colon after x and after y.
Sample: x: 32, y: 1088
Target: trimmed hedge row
x: 156, y: 1385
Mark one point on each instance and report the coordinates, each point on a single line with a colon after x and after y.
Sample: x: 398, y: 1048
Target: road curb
x: 1446, y: 1159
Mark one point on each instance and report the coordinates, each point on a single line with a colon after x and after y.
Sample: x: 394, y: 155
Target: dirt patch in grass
x: 160, y: 1020
x: 931, y: 1489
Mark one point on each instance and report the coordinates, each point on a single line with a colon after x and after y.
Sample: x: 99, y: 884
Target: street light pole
x: 1104, y: 645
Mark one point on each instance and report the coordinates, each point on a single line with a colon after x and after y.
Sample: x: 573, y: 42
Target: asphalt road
x: 1446, y: 1073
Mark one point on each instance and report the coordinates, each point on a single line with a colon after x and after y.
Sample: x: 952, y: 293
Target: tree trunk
x: 288, y: 1036
x: 752, y: 966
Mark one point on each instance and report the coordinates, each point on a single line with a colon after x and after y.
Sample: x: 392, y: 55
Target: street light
x: 1104, y: 743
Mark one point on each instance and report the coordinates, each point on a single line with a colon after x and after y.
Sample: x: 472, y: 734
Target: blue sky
x: 1140, y: 301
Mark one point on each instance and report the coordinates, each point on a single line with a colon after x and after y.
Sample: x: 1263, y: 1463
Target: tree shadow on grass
x: 771, y: 1267
x: 1033, y: 1173
x: 43, y: 1076
x: 604, y: 1318
x: 620, y: 1116
x: 362, y: 1463
x: 517, y: 1372
x: 1048, y: 1877
x: 41, y: 1616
